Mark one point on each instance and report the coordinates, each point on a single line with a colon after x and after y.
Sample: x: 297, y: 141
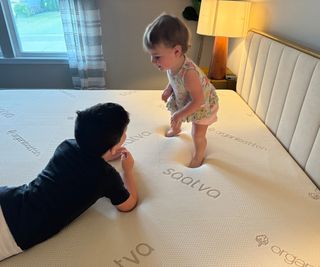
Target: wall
x: 124, y: 22
x: 294, y: 20
x: 129, y: 67
x: 44, y: 75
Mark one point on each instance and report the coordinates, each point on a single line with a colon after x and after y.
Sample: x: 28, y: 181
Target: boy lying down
x: 77, y: 175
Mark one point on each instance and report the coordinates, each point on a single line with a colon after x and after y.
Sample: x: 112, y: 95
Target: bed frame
x: 280, y: 81
x: 254, y: 202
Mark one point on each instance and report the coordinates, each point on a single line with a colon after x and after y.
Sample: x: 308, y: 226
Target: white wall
x: 295, y: 20
x: 124, y: 22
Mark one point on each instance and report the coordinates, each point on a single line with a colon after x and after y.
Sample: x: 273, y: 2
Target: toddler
x: 189, y: 94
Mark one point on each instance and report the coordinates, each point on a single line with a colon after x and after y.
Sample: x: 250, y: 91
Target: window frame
x: 10, y: 44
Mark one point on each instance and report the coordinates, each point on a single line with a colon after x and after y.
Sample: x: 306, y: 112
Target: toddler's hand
x: 175, y: 120
x: 127, y: 161
x: 166, y: 94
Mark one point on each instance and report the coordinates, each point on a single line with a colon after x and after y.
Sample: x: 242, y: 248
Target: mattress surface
x: 250, y: 204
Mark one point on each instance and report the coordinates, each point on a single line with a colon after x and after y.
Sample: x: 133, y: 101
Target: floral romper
x: 207, y: 113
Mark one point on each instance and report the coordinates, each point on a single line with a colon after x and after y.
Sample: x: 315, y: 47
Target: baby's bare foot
x: 171, y: 132
x: 196, y: 162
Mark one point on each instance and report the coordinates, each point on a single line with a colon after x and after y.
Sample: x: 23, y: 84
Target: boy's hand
x: 166, y: 94
x: 127, y: 161
x: 118, y: 154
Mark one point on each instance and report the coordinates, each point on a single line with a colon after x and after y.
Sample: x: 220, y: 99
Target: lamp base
x: 218, y: 64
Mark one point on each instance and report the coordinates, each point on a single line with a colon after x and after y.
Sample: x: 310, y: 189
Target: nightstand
x: 224, y: 83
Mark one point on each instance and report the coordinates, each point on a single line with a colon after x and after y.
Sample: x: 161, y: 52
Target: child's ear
x: 178, y: 50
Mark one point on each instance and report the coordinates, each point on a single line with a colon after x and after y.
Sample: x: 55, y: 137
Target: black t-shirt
x: 70, y: 183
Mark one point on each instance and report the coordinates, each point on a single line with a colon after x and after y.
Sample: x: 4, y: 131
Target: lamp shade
x: 224, y: 18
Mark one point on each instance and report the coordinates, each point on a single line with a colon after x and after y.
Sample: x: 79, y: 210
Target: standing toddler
x: 189, y: 94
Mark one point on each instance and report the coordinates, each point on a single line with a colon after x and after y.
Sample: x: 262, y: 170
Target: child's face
x: 164, y: 58
x: 122, y: 140
x: 115, y: 151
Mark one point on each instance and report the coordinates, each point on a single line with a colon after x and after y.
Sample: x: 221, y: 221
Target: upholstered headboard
x: 281, y: 83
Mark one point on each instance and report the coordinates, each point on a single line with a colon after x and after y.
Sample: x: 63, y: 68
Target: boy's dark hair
x: 166, y: 29
x: 100, y: 127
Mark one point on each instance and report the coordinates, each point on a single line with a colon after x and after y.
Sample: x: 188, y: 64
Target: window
x: 34, y: 29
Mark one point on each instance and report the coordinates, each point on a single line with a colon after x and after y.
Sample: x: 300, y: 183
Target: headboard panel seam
x: 246, y: 99
x: 275, y: 78
x: 244, y: 68
x: 264, y: 70
x: 302, y: 103
x: 286, y: 95
x: 271, y: 88
x: 254, y: 70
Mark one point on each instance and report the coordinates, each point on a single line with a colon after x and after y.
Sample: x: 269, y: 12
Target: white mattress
x: 250, y: 204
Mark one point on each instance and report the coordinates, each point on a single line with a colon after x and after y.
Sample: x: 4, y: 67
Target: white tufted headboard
x: 281, y: 83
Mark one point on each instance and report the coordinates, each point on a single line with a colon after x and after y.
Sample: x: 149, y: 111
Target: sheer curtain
x: 82, y: 30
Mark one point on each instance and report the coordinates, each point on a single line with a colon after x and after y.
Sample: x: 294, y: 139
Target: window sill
x: 33, y: 60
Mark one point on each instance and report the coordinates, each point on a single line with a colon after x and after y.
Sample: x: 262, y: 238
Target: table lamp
x: 222, y: 19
